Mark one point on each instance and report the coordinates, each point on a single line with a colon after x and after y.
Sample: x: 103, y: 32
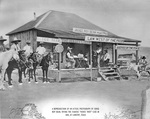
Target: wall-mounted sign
x: 49, y: 40
x: 103, y: 39
x: 75, y: 41
x: 127, y: 47
x: 89, y: 31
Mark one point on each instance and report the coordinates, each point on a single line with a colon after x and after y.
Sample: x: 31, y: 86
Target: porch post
x: 116, y: 54
x: 91, y: 60
x: 137, y: 53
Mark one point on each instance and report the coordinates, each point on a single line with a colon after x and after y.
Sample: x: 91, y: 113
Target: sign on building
x: 127, y: 47
x: 103, y: 39
x: 89, y: 31
x: 49, y: 40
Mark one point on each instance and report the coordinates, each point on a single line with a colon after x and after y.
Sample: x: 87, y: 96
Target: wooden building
x: 72, y: 30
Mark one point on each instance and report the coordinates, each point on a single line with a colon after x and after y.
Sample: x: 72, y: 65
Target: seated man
x: 106, y: 58
x: 70, y: 58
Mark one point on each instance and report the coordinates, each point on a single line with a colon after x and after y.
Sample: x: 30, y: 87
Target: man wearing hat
x: 28, y: 49
x: 2, y: 47
x: 106, y: 58
x: 41, y: 51
x: 70, y: 58
x: 15, y: 45
x: 98, y: 55
x: 142, y: 63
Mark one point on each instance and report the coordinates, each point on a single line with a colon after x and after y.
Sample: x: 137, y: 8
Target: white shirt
x: 99, y: 50
x: 15, y: 47
x: 69, y: 55
x: 107, y: 56
x: 41, y: 50
x: 28, y: 50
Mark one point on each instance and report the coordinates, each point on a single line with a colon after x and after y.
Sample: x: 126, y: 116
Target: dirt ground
x: 125, y: 93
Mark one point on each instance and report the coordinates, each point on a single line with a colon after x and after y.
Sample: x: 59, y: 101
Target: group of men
x: 100, y: 58
x: 41, y: 51
x: 27, y: 48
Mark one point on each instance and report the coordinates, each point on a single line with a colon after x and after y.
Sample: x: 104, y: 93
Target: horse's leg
x: 2, y: 87
x: 31, y: 73
x: 46, y: 74
x: 9, y: 72
x: 34, y: 70
x: 29, y: 76
x: 43, y: 75
x: 5, y: 76
x: 20, y: 76
x: 24, y: 72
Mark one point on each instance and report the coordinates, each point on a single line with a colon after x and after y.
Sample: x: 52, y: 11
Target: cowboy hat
x: 143, y: 57
x: 15, y: 40
x: 28, y: 42
x: 41, y: 42
x: 2, y: 39
x: 69, y: 48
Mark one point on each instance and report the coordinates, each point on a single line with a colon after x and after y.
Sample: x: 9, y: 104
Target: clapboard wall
x: 30, y: 35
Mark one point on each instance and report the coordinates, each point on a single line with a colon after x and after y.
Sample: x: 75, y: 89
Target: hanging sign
x: 103, y: 39
x: 59, y: 48
x: 127, y: 47
x: 49, y: 40
x: 89, y: 31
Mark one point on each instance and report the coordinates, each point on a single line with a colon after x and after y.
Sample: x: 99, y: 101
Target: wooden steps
x: 109, y: 73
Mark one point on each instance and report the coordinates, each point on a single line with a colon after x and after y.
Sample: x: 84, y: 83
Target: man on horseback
x: 15, y: 46
x: 28, y: 49
x: 41, y: 51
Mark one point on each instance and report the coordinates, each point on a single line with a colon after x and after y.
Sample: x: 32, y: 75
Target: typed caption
x: 75, y: 111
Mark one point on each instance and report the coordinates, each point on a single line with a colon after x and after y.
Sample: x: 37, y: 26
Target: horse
x: 136, y: 68
x: 16, y: 64
x: 5, y: 58
x: 45, y: 64
x: 33, y: 63
x: 34, y: 59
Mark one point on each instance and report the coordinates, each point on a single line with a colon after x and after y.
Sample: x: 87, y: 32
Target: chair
x: 68, y: 64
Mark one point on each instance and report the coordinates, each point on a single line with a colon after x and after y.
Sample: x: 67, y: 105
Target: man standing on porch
x: 98, y: 52
x: 106, y: 58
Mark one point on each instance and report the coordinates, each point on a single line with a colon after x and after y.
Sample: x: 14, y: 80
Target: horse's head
x: 34, y: 57
x: 22, y: 55
x: 48, y: 56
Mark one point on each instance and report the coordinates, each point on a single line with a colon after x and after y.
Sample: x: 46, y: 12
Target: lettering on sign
x: 103, y: 39
x: 89, y: 31
x: 49, y: 40
x: 75, y: 41
x: 127, y: 47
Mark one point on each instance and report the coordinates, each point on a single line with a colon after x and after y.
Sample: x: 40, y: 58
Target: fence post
x: 145, y: 113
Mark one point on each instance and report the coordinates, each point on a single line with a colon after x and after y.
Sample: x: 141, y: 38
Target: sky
x: 126, y: 18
